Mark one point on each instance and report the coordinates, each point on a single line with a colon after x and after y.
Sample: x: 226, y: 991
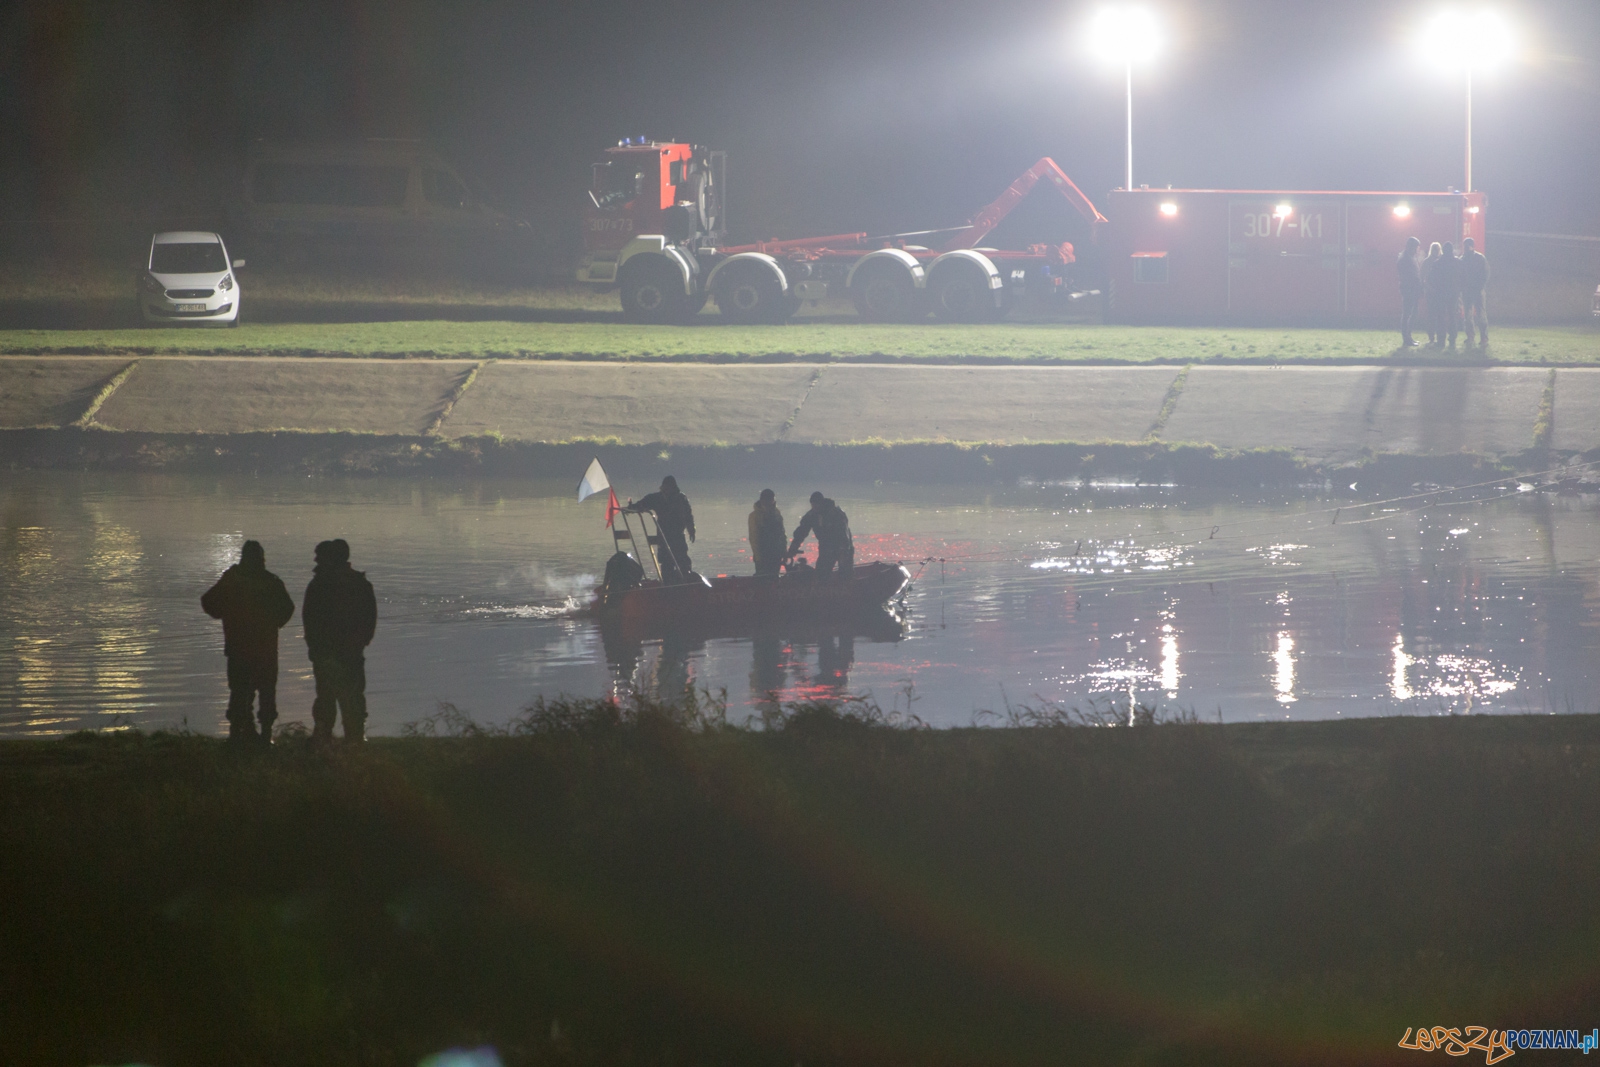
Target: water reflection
x: 1170, y: 674
x: 1283, y: 669
x: 1052, y: 592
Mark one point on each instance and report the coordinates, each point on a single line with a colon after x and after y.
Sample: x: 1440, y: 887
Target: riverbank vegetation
x: 929, y: 462
x: 647, y: 884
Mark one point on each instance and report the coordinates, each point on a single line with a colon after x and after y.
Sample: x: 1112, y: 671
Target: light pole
x: 1124, y: 36
x: 1464, y: 44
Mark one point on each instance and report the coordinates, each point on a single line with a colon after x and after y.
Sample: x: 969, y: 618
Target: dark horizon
x: 835, y: 118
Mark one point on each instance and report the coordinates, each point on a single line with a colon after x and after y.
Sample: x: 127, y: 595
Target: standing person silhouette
x: 1474, y: 272
x: 1432, y: 298
x: 340, y: 614
x: 1444, y: 294
x: 253, y: 606
x: 766, y: 534
x: 1410, y: 289
x: 675, y: 519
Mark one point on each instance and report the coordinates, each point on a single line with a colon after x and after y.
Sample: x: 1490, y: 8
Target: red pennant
x: 612, y: 507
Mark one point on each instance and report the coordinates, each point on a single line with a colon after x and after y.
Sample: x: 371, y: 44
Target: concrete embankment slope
x: 1323, y: 415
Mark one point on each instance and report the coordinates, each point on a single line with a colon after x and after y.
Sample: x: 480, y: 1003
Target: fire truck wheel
x: 884, y: 292
x: 653, y: 293
x: 748, y: 293
x: 961, y: 293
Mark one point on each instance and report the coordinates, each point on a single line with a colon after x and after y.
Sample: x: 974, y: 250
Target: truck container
x: 1271, y: 257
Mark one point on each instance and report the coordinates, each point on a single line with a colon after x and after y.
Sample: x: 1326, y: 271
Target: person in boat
x: 766, y: 534
x: 835, y: 546
x: 675, y: 518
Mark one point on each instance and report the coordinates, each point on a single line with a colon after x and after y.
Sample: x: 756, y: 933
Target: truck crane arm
x: 990, y: 217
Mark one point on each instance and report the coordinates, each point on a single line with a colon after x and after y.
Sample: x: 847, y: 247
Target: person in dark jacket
x: 675, y: 517
x: 1474, y: 270
x: 766, y: 534
x: 1410, y: 289
x: 835, y: 545
x: 1435, y: 253
x: 1444, y: 295
x: 340, y: 614
x: 253, y: 606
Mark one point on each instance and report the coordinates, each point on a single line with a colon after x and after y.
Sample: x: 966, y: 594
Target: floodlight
x: 1169, y: 209
x: 1466, y: 44
x: 1123, y: 35
x: 1283, y: 211
x: 1402, y: 211
x: 1458, y: 41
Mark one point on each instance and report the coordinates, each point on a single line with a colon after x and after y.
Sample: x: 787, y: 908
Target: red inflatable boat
x: 740, y: 603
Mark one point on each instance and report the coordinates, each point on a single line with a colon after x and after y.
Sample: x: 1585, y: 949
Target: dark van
x: 303, y: 203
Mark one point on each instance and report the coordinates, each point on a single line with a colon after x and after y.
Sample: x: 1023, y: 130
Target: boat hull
x: 747, y: 604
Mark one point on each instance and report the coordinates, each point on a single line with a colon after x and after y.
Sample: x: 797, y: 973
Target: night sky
x: 837, y: 116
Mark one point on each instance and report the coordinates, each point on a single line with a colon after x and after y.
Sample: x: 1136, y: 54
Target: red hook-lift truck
x: 654, y: 227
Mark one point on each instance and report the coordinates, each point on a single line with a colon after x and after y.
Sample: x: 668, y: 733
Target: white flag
x: 594, y: 480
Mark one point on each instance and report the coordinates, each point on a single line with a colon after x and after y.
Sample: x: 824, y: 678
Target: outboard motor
x: 623, y: 573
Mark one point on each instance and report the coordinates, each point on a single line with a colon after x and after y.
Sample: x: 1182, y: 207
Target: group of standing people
x: 339, y: 614
x: 340, y: 611
x: 825, y: 520
x: 1447, y: 290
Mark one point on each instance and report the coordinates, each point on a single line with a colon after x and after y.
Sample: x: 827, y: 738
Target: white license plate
x: 191, y: 307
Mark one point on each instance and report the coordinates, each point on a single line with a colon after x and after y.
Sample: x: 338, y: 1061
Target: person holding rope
x: 675, y: 519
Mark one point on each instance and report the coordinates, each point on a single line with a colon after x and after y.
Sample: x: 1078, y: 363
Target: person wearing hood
x: 675, y: 518
x: 835, y: 545
x: 253, y: 606
x: 766, y: 534
x: 340, y: 614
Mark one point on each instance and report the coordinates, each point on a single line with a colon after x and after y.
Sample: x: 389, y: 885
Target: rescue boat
x: 799, y: 597
x: 742, y: 603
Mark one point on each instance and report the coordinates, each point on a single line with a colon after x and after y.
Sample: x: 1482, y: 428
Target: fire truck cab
x: 659, y: 201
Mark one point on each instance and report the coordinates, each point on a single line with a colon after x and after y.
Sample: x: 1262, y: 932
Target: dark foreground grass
x: 650, y: 886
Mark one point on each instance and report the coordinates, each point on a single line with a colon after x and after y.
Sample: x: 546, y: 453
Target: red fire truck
x: 653, y: 228
x: 1269, y: 257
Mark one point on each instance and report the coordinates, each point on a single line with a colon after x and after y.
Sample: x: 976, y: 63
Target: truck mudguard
x: 919, y: 277
x: 751, y: 257
x: 656, y: 245
x: 971, y: 255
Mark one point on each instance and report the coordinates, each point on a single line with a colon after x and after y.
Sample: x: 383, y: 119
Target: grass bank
x: 824, y: 341
x: 651, y: 886
x: 1150, y: 462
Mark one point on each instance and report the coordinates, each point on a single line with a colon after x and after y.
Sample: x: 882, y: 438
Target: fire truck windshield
x: 612, y: 185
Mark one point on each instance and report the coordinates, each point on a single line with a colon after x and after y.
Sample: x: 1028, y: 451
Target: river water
x: 1275, y: 607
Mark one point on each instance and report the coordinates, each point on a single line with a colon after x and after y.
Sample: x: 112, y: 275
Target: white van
x: 302, y: 202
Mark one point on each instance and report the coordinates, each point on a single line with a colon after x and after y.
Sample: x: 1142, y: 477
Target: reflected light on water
x: 1169, y: 662
x: 1398, y: 687
x: 1283, y: 672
